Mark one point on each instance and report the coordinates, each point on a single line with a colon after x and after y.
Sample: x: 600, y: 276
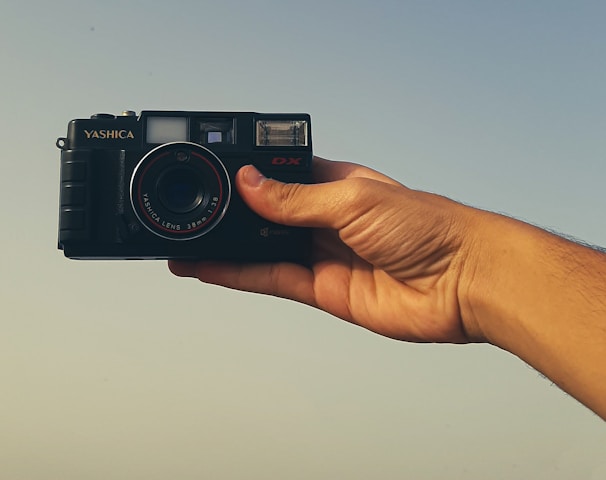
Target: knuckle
x: 360, y: 185
x: 359, y: 193
x: 274, y: 279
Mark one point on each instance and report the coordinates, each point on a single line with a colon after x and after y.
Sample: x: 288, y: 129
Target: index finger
x: 330, y: 171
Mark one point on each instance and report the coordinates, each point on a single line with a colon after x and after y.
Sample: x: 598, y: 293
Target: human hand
x: 385, y: 257
x: 419, y: 267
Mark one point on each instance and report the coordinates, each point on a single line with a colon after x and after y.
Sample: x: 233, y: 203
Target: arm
x: 419, y: 267
x: 543, y: 298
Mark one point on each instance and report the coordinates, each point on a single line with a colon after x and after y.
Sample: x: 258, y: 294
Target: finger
x: 323, y: 205
x: 182, y: 268
x: 329, y: 171
x: 285, y: 280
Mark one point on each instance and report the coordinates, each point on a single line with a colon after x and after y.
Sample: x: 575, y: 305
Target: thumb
x: 322, y: 205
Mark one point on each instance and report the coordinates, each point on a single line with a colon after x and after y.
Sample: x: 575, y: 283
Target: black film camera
x: 161, y: 185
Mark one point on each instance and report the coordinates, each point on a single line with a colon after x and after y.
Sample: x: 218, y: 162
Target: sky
x: 120, y: 370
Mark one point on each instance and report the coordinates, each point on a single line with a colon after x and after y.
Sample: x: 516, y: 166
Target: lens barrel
x: 180, y: 191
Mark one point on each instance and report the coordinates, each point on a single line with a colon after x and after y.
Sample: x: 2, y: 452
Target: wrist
x: 498, y: 264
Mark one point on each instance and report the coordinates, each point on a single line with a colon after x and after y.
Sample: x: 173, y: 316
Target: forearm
x: 542, y: 298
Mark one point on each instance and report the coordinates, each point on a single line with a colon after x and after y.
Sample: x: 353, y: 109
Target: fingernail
x: 252, y: 177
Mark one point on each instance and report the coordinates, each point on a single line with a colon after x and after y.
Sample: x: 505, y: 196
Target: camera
x: 160, y: 185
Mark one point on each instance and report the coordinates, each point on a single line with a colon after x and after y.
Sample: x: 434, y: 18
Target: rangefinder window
x: 281, y: 133
x: 219, y: 130
x: 166, y: 129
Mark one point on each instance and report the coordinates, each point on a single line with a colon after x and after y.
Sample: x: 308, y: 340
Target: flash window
x: 282, y: 133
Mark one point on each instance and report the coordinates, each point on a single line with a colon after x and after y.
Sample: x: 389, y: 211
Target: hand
x: 385, y: 257
x: 419, y: 267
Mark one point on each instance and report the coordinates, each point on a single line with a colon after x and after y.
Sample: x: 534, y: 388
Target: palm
x: 351, y: 288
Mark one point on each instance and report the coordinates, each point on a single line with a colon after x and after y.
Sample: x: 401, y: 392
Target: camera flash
x: 166, y: 129
x: 282, y: 133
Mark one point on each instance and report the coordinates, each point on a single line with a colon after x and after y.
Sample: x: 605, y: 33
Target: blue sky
x: 119, y: 370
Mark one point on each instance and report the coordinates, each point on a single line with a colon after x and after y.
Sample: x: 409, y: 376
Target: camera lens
x: 180, y: 191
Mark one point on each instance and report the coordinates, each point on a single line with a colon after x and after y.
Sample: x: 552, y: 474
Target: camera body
x: 161, y: 185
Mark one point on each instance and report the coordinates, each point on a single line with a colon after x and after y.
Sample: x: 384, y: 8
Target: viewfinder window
x: 216, y: 130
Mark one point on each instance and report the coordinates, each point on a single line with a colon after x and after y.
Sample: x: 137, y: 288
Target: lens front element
x: 180, y: 191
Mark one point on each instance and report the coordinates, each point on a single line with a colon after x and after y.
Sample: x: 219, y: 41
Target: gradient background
x: 120, y: 370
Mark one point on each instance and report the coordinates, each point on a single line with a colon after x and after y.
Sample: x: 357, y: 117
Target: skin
x: 419, y: 267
